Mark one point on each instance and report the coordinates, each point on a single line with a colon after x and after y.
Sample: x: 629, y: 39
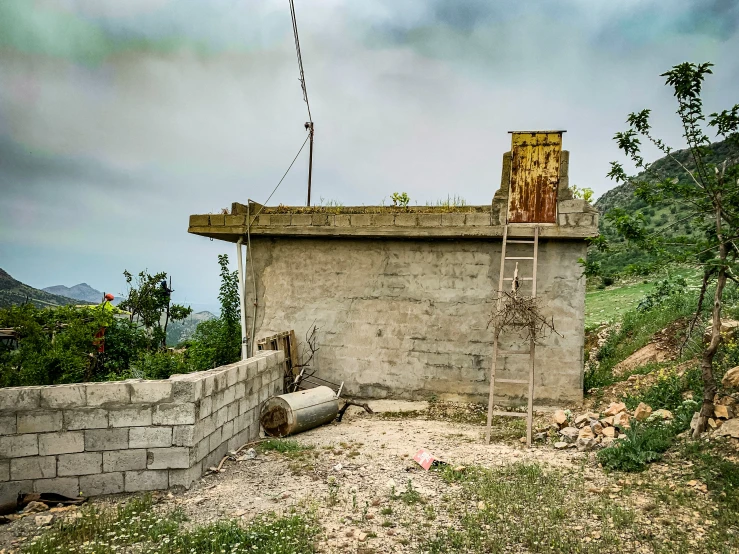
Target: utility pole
x: 309, y: 126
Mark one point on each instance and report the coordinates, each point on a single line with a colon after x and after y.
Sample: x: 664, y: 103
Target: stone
x: 609, y: 432
x: 34, y: 507
x: 559, y: 418
x: 596, y: 426
x: 621, y: 420
x: 712, y: 423
x: 585, y: 444
x: 663, y: 414
x: 606, y: 421
x: 561, y: 445
x: 581, y: 420
x: 149, y: 437
x: 607, y: 441
x: 124, y: 460
x: 106, y: 439
x: 103, y: 483
x: 730, y: 428
x: 723, y: 412
x: 85, y: 463
x: 615, y: 408
x: 18, y: 446
x: 694, y: 421
x: 569, y: 434
x: 586, y: 433
x: 44, y: 520
x: 41, y: 421
x: 642, y: 412
x: 148, y: 480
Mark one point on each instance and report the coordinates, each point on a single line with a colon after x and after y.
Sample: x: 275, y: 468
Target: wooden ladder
x: 529, y: 415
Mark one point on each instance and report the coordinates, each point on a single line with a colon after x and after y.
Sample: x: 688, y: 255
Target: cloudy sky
x: 119, y: 118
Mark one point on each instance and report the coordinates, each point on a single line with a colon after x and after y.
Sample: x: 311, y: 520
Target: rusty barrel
x: 295, y: 412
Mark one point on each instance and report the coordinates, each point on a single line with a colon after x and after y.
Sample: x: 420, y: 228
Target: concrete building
x: 403, y: 297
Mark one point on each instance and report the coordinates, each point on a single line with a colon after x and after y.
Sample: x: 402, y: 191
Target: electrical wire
x: 300, y: 58
x: 278, y: 184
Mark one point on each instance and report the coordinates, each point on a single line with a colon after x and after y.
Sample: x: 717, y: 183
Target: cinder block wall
x: 135, y: 435
x: 409, y: 318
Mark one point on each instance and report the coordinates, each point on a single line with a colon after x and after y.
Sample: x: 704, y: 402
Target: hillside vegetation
x: 667, y: 219
x: 13, y: 293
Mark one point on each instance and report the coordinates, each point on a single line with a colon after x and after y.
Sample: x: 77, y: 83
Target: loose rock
x: 642, y: 412
x: 559, y: 417
x: 615, y: 408
x: 569, y: 434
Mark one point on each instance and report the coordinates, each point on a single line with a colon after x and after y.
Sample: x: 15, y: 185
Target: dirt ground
x: 348, y: 476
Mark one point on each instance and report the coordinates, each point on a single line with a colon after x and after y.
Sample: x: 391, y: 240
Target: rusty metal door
x: 534, y: 176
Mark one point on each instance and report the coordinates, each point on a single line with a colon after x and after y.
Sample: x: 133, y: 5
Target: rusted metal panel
x: 534, y: 176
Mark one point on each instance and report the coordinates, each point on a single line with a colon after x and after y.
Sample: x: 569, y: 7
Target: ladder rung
x: 520, y: 241
x: 510, y: 414
x: 502, y: 352
x: 519, y: 257
x: 519, y: 278
x: 513, y: 381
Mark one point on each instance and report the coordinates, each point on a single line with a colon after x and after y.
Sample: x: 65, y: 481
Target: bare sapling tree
x: 708, y: 192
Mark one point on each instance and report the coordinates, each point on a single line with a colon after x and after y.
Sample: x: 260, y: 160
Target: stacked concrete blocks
x: 104, y: 438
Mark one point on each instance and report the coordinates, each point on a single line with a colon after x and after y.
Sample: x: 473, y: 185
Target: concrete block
x: 235, y: 220
x: 217, y: 219
x: 429, y: 220
x: 262, y: 220
x: 383, y: 220
x: 124, y: 460
x: 39, y: 421
x: 174, y: 414
x: 85, y: 418
x: 221, y: 381
x: 135, y: 416
x: 185, y: 477
x: 106, y: 394
x: 35, y: 467
x: 280, y: 219
x: 477, y: 219
x: 570, y: 206
x: 206, y: 407
x: 104, y: 483
x: 4, y: 470
x: 452, y: 220
x: 85, y: 463
x: 239, y: 390
x: 562, y: 219
x: 227, y: 430
x: 149, y: 437
x: 342, y: 220
x: 208, y: 385
x: 233, y: 410
x: 106, y: 439
x: 261, y: 364
x: 67, y: 486
x: 303, y: 220
x: 175, y: 457
x: 63, y: 396
x: 203, y: 449
x: 151, y: 392
x: 187, y: 390
x: 66, y: 442
x: 199, y: 220
x: 208, y: 425
x: 252, y: 369
x: 18, y: 446
x: 8, y: 424
x: 147, y: 480
x: 215, y: 439
x: 361, y: 220
x: 221, y: 416
x: 242, y: 371
x: 263, y: 394
x: 183, y: 435
x: 319, y: 220
x: 20, y: 398
x: 232, y: 376
x: 242, y: 405
x: 406, y: 220
x: 10, y: 490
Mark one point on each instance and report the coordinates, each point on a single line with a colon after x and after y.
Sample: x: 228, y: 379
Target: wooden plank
x: 294, y: 352
x: 530, y: 418
x: 513, y: 381
x: 510, y: 414
x: 491, y: 400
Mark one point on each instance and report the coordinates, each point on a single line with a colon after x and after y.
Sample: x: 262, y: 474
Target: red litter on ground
x: 425, y: 459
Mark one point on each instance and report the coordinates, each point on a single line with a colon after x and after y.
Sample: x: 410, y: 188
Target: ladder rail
x: 529, y: 414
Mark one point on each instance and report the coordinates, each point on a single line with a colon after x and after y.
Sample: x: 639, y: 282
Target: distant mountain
x: 83, y: 291
x: 13, y: 292
x: 182, y: 330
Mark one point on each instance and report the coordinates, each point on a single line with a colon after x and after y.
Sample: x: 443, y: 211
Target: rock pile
x: 724, y: 421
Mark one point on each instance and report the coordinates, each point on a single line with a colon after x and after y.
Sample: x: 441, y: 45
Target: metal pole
x: 242, y: 299
x: 309, y: 126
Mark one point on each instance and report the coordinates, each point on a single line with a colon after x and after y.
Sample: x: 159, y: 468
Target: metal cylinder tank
x: 295, y: 412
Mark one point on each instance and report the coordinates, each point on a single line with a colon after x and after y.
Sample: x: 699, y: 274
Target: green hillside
x: 13, y: 292
x: 666, y: 219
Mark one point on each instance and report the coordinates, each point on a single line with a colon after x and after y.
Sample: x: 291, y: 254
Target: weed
x: 333, y: 491
x: 386, y: 511
x: 288, y: 447
x: 410, y: 495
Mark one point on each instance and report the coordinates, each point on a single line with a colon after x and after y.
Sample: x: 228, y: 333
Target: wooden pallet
x: 287, y: 343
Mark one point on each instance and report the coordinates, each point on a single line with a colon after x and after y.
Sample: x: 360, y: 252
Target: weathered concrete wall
x: 409, y: 318
x: 104, y: 438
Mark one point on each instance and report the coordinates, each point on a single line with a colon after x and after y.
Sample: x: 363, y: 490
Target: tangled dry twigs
x: 521, y: 315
